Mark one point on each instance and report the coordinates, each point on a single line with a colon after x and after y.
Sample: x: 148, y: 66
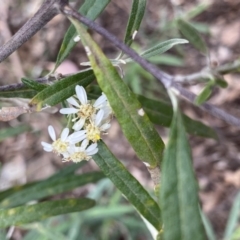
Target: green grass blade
x: 192, y: 35
x: 135, y: 19
x: 63, y: 89
x: 49, y: 188
x: 91, y: 9
x: 162, y: 47
x: 10, y: 132
x: 137, y: 128
x: 161, y: 113
x: 128, y: 185
x: 27, y: 214
x: 233, y: 219
x: 179, y: 192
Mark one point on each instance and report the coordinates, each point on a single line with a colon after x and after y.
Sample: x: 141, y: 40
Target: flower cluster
x: 91, y: 118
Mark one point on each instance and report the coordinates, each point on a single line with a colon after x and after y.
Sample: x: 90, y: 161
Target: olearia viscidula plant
x: 91, y: 118
x: 172, y: 212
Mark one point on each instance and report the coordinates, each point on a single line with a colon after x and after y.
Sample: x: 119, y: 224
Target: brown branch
x: 163, y: 77
x: 47, y: 11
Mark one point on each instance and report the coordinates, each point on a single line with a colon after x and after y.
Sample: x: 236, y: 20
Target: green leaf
x: 204, y: 95
x: 17, y: 91
x: 66, y: 171
x: 27, y: 214
x: 50, y: 188
x: 162, y: 47
x: 33, y: 84
x: 161, y: 113
x: 233, y: 219
x: 10, y: 132
x: 221, y: 82
x: 179, y: 192
x: 91, y: 9
x: 137, y: 127
x: 63, y: 89
x: 192, y: 35
x: 128, y: 185
x: 208, y: 227
x: 135, y: 19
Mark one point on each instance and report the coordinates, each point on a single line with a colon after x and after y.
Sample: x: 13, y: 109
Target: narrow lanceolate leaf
x: 10, y: 132
x: 135, y: 19
x: 17, y: 92
x: 204, y: 95
x: 27, y: 214
x: 161, y: 113
x: 91, y: 9
x: 63, y: 89
x: 66, y: 171
x: 233, y: 219
x: 49, y: 188
x: 128, y: 185
x: 192, y: 35
x: 33, y: 84
x: 135, y: 124
x: 162, y: 47
x: 179, y: 192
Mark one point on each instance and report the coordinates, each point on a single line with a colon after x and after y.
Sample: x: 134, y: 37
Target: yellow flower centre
x: 59, y: 146
x: 79, y: 156
x: 93, y: 133
x: 86, y: 111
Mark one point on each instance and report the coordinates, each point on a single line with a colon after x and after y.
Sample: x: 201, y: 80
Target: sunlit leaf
x: 63, y: 89
x: 137, y: 127
x: 135, y: 19
x: 27, y: 214
x: 91, y: 9
x: 50, y: 187
x: 128, y: 185
x: 192, y: 35
x: 179, y: 192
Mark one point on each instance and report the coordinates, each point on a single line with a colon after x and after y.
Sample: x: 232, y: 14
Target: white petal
x: 68, y: 110
x: 44, y: 144
x: 99, y: 117
x: 102, y: 99
x: 91, y: 147
x: 64, y: 134
x: 73, y: 101
x: 92, y: 151
x: 47, y: 149
x: 84, y: 144
x: 52, y: 133
x: 81, y: 93
x: 77, y: 137
x: 105, y: 126
x: 79, y: 124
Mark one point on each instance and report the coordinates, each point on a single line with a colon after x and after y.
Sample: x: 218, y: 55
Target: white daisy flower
x: 85, y: 108
x: 78, y: 154
x: 61, y: 145
x: 96, y: 126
